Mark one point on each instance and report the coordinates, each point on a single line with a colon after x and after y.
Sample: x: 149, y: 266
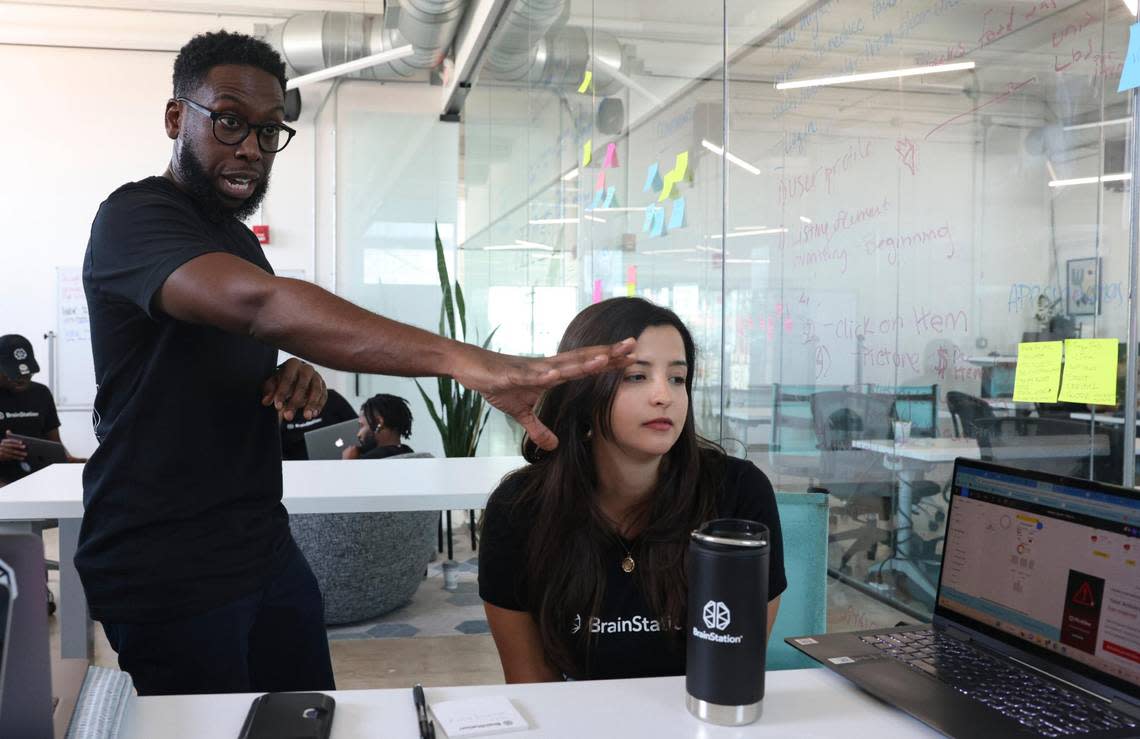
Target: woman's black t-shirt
x: 629, y: 640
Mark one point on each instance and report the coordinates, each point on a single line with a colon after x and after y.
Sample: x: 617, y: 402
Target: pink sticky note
x: 611, y: 156
x: 631, y: 273
x: 601, y: 183
x: 597, y: 291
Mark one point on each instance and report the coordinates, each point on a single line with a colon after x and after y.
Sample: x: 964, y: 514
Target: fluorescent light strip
x: 731, y: 260
x: 757, y: 232
x: 552, y: 221
x: 867, y: 76
x: 571, y: 174
x: 348, y: 67
x: 805, y: 219
x: 533, y: 245
x: 730, y: 157
x: 1122, y: 176
x: 715, y: 249
x: 1098, y: 124
x: 595, y: 219
x: 670, y: 251
x: 619, y: 210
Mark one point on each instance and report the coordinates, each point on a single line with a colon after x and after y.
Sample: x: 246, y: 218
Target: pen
x: 427, y: 730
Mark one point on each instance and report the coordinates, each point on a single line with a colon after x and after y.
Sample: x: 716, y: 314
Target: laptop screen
x: 1049, y: 564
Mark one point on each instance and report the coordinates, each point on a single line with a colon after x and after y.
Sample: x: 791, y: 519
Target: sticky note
x: 666, y: 187
x: 658, y: 222
x: 600, y: 183
x: 597, y: 291
x: 587, y: 152
x: 598, y: 195
x: 611, y: 156
x: 1130, y: 75
x: 681, y: 168
x: 1038, y: 375
x: 630, y: 289
x: 648, y: 222
x: 609, y: 202
x: 1090, y: 371
x: 586, y: 80
x: 631, y: 273
x: 652, y: 179
x: 677, y: 217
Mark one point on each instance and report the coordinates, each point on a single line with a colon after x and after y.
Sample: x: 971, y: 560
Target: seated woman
x: 384, y: 420
x: 582, y: 563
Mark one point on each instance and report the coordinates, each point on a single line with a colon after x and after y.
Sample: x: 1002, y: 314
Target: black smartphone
x: 289, y: 716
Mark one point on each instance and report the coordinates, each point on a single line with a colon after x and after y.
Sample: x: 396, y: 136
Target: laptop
x: 329, y: 442
x: 1036, y: 628
x: 41, y: 452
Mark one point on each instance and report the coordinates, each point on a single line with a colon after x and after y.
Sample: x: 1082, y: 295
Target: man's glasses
x: 232, y: 129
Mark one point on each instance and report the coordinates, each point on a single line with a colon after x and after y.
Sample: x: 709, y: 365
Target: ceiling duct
x: 313, y: 41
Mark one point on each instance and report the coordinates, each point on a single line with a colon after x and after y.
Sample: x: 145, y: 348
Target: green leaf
x: 431, y: 408
x: 462, y: 308
x: 444, y: 282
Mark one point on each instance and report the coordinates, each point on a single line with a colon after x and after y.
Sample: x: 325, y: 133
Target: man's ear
x: 173, y: 118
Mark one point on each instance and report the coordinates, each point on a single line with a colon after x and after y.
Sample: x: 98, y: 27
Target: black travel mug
x: 727, y: 622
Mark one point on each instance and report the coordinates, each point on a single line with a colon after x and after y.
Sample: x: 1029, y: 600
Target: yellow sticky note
x: 667, y: 186
x: 1038, y: 375
x: 682, y: 166
x: 1090, y: 371
x: 586, y: 80
x: 587, y: 152
x: 631, y: 289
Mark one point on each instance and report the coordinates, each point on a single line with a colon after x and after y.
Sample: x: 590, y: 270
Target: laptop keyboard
x: 1036, y: 703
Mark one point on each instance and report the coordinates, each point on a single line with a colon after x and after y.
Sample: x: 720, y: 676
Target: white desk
x: 799, y: 703
x: 322, y: 486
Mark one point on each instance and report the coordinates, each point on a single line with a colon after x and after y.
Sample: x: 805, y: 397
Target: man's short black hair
x: 393, y: 409
x: 208, y: 50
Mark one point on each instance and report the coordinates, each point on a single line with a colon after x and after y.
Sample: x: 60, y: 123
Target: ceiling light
x: 1120, y: 177
x: 756, y: 232
x: 595, y: 219
x: 867, y: 76
x: 348, y: 67
x: 730, y: 157
x: 639, y: 209
x: 805, y: 219
x: 1097, y: 124
x: 670, y: 251
x: 552, y: 221
x: 533, y: 245
x: 571, y: 174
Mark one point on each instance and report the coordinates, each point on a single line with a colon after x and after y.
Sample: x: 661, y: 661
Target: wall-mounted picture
x: 1082, y: 286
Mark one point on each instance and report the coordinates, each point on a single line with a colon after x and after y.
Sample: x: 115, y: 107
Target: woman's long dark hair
x: 571, y: 541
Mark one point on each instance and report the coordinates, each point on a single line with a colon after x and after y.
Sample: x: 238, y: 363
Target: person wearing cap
x: 26, y: 408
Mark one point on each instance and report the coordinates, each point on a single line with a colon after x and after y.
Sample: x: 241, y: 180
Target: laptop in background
x: 1036, y: 627
x: 329, y: 442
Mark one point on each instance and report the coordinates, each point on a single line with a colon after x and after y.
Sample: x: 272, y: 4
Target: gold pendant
x: 628, y: 564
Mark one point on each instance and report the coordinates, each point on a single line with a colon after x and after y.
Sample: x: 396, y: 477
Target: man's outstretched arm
x: 221, y: 290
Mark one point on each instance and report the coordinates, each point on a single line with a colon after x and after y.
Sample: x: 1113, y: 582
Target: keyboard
x: 1036, y: 703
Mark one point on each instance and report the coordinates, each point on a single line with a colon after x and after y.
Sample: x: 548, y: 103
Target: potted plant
x: 462, y: 413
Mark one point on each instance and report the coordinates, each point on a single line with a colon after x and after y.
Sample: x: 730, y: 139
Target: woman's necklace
x: 627, y: 564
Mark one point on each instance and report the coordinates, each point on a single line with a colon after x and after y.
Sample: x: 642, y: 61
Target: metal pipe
x: 1129, y: 477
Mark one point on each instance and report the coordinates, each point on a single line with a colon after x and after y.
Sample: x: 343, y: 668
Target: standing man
x: 26, y: 408
x: 184, y: 552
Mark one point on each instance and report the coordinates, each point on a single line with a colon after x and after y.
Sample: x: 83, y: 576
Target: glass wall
x: 848, y: 254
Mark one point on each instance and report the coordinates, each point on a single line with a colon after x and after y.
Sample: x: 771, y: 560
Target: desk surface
x: 801, y: 703
x: 947, y: 449
x: 319, y: 486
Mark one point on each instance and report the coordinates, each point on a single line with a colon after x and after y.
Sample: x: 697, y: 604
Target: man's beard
x: 201, y: 188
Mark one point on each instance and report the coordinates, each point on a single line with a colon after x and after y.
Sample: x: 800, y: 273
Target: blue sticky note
x: 658, y: 222
x: 652, y: 179
x: 598, y: 199
x: 648, y: 222
x: 1130, y: 77
x: 610, y: 197
x: 677, y: 217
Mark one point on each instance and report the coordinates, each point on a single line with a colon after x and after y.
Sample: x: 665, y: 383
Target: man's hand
x: 12, y: 450
x: 515, y: 384
x: 295, y: 386
x: 350, y: 452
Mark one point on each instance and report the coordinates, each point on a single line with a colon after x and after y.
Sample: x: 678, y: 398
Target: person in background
x: 185, y: 552
x: 589, y: 539
x: 336, y: 410
x: 26, y: 408
x: 384, y: 420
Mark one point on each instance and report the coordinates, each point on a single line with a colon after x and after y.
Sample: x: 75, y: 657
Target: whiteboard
x: 73, y: 368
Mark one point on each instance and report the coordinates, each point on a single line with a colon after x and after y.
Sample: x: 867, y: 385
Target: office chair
x: 1020, y: 442
x: 965, y: 409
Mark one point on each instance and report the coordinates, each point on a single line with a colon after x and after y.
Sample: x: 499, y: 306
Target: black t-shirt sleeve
x: 502, y: 550
x: 749, y: 494
x: 337, y: 409
x: 138, y: 239
x: 48, y: 411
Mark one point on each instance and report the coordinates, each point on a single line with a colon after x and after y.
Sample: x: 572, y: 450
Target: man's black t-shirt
x: 182, y: 497
x: 630, y: 640
x: 381, y: 452
x: 28, y: 412
x: 336, y: 410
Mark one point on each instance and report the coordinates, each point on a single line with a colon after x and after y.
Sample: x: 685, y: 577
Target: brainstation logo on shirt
x: 632, y: 625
